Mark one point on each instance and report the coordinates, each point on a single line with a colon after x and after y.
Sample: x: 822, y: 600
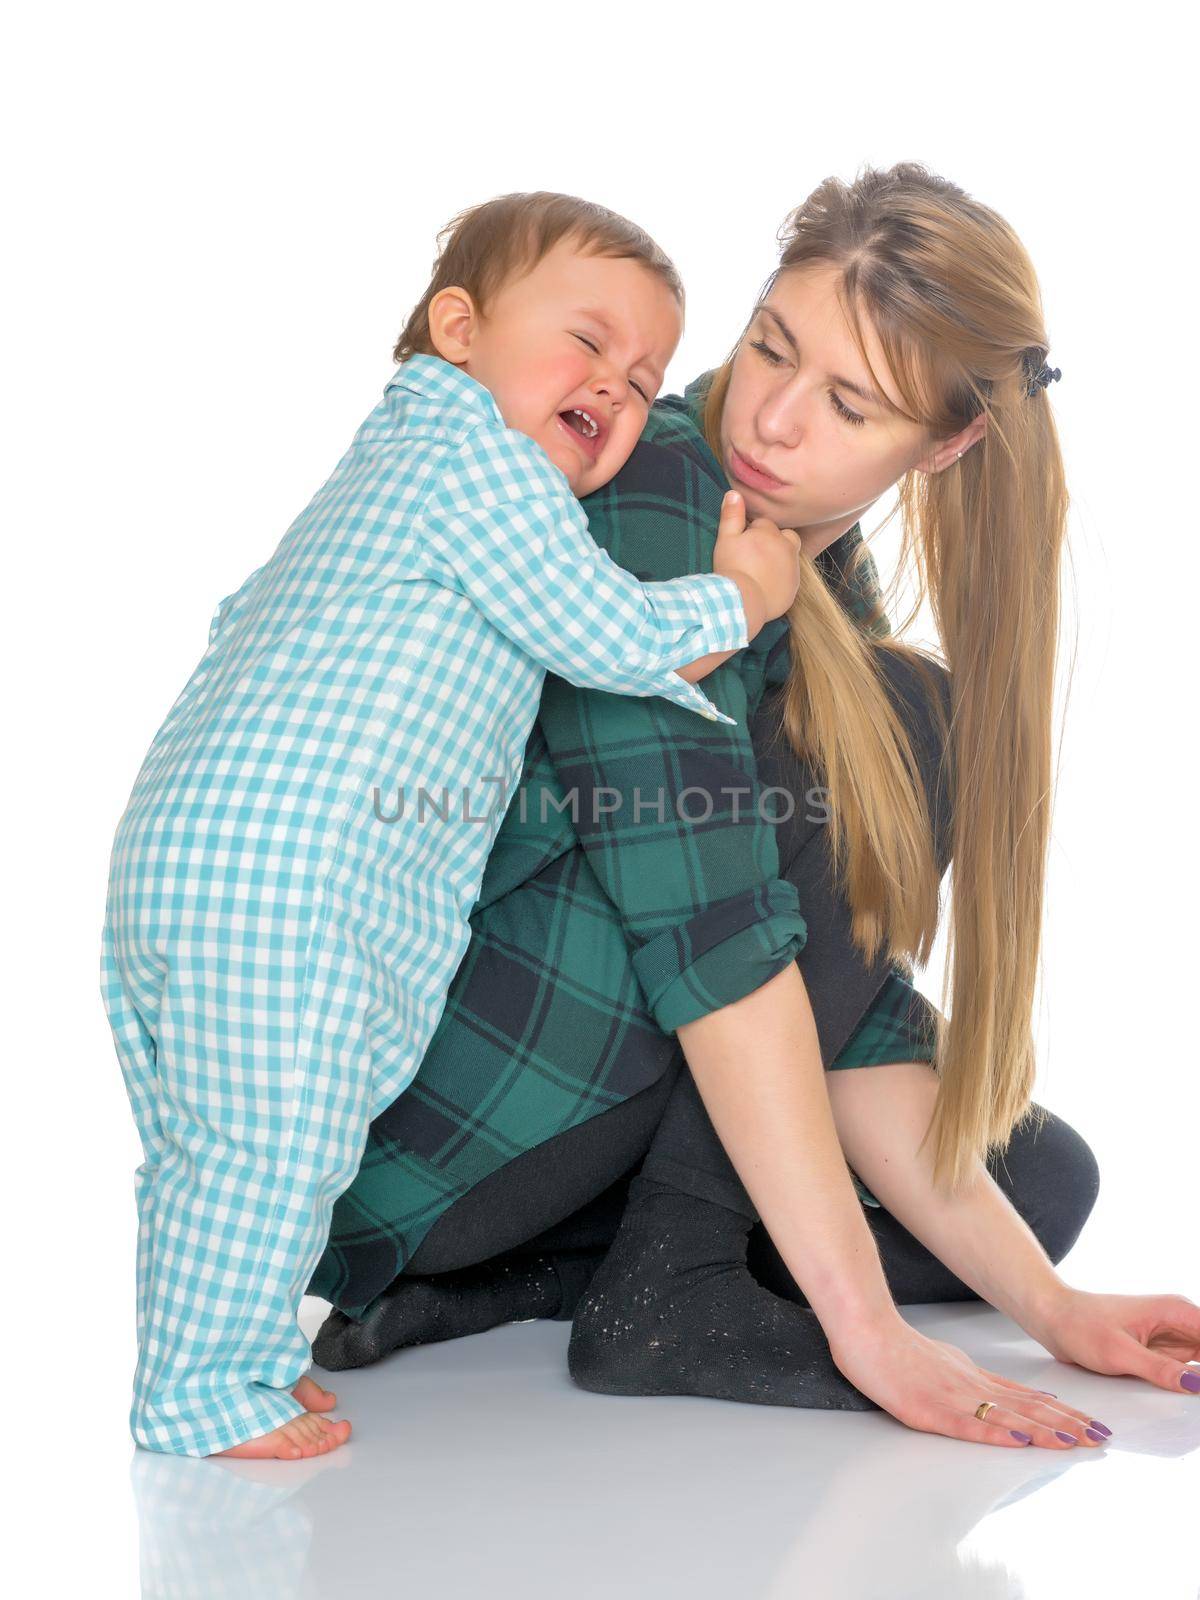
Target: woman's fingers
x: 1018, y: 1409
x: 935, y: 1387
x: 1164, y: 1372
x: 1174, y: 1329
x: 956, y: 1426
x: 1035, y: 1397
x: 1155, y: 1337
x: 1004, y: 1426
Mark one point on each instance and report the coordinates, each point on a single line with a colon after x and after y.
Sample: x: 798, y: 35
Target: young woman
x: 627, y: 1085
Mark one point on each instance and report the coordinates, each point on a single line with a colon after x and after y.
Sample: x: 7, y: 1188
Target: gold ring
x: 983, y: 1408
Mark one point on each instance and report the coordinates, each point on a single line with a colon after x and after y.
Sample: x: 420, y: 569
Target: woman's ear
x: 947, y: 451
x: 452, y: 320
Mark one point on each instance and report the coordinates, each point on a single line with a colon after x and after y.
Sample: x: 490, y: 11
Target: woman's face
x: 806, y: 436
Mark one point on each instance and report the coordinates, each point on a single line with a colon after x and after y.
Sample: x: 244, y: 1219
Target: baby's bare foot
x: 306, y: 1435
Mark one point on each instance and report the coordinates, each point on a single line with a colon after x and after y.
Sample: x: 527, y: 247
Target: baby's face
x: 578, y: 333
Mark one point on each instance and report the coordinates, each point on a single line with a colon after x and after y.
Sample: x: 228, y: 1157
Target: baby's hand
x: 762, y: 559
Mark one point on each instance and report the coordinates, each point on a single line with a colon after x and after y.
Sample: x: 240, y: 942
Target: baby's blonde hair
x: 488, y: 245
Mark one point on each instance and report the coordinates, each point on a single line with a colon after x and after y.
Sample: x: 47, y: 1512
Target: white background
x: 219, y: 217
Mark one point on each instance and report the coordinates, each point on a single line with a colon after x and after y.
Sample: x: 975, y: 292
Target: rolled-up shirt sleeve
x: 676, y: 830
x: 502, y: 527
x: 671, y: 812
x: 724, y: 951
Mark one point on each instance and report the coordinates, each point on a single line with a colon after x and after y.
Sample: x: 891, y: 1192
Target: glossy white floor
x: 477, y: 1468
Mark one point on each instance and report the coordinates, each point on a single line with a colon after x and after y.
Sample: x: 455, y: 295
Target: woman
x: 899, y: 342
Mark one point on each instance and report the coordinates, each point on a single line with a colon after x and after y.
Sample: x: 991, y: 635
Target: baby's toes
x: 327, y: 1434
x: 328, y: 1441
x: 302, y: 1432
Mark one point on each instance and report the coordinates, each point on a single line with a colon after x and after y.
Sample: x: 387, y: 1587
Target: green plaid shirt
x: 615, y: 905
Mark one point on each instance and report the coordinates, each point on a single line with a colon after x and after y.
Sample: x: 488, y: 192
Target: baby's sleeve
x: 503, y: 528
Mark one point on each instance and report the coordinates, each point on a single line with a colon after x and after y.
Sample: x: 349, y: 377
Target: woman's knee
x: 535, y: 1190
x: 1051, y: 1176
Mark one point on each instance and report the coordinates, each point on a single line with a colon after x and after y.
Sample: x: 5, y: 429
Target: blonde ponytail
x: 953, y: 298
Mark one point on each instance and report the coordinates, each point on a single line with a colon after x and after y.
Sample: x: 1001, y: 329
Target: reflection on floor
x: 478, y: 1469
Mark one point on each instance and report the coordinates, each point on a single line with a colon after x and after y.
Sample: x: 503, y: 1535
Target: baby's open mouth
x: 586, y: 431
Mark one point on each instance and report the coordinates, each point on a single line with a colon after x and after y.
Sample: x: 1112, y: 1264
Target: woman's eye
x: 774, y: 359
x: 764, y: 349
x: 845, y: 411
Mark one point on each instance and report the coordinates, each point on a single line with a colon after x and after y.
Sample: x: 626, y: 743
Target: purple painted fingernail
x: 1107, y: 1432
x: 1191, y: 1380
x: 1098, y: 1437
x: 1024, y: 1437
x: 1067, y: 1438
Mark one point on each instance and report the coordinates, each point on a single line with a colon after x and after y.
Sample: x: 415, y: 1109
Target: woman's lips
x: 590, y: 448
x: 753, y: 477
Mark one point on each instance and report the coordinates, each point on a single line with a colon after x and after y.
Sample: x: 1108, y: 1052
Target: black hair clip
x: 1041, y: 379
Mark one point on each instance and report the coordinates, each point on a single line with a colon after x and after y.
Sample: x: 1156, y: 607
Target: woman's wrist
x: 848, y: 1310
x: 1039, y: 1306
x: 845, y: 1285
x: 757, y: 1066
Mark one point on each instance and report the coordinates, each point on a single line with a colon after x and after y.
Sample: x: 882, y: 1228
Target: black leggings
x: 1049, y: 1174
x: 569, y: 1191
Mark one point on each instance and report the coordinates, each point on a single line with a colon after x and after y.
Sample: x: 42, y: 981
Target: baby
x: 277, y: 951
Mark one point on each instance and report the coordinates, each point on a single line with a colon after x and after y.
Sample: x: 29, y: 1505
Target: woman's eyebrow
x: 868, y: 395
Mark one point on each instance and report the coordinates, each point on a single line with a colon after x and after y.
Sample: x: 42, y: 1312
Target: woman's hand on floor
x: 1151, y: 1336
x: 935, y: 1387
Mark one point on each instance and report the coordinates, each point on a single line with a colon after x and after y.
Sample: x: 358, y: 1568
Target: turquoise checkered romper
x: 292, y: 876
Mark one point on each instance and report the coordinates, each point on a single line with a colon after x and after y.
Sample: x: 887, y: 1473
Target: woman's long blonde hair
x: 952, y: 295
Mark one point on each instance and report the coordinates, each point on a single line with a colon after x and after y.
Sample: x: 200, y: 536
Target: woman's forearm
x: 881, y: 1114
x: 757, y: 1065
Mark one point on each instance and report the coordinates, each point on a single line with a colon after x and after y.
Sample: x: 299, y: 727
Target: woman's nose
x: 781, y: 425
x: 781, y: 420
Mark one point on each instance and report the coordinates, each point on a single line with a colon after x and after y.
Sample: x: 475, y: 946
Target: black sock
x: 673, y: 1309
x: 449, y: 1305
